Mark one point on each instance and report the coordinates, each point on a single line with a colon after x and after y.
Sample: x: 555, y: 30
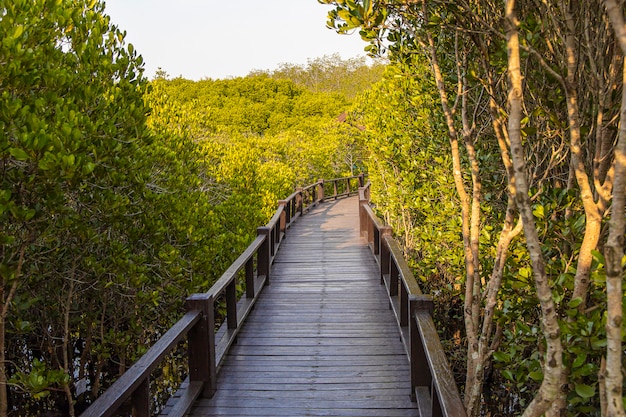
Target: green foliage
x: 583, y: 332
x: 254, y: 105
x: 411, y: 177
x: 119, y: 197
x: 71, y: 129
x: 261, y: 135
x: 108, y: 218
x: 331, y: 74
x: 39, y: 380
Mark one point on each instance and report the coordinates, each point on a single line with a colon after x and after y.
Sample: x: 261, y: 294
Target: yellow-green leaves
x: 18, y: 31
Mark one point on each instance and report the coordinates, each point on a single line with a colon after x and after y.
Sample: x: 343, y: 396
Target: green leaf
x: 502, y: 357
x: 29, y: 214
x: 17, y: 31
x: 528, y: 130
x: 5, y: 196
x: 585, y: 391
x: 507, y: 374
x: 88, y: 168
x: 598, y: 256
x: 47, y: 162
x: 598, y: 343
x: 575, y: 302
x: 18, y: 154
x: 24, y: 325
x: 525, y: 272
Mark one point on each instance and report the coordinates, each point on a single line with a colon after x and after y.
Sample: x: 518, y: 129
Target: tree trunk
x: 471, y: 323
x: 614, y: 248
x: 593, y: 216
x: 553, y: 361
x: 487, y: 343
x: 66, y: 343
x: 613, y: 254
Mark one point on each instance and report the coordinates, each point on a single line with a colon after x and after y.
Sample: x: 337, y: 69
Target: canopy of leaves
x: 120, y: 196
x: 331, y: 74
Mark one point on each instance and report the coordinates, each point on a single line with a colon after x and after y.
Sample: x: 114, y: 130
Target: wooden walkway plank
x: 321, y: 340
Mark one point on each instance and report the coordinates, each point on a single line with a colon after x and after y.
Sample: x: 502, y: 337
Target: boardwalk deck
x: 321, y: 340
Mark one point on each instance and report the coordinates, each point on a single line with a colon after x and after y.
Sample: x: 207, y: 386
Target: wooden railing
x: 304, y: 198
x: 432, y: 382
x: 207, y: 348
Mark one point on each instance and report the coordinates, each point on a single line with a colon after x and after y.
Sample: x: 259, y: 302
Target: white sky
x: 228, y: 38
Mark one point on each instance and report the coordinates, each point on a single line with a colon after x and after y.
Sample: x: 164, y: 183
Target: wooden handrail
x: 207, y: 348
x: 132, y: 383
x: 432, y: 382
x: 305, y: 198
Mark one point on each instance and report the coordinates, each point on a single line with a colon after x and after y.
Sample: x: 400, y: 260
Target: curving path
x: 321, y: 340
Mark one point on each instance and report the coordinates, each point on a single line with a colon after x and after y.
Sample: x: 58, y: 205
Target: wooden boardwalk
x: 321, y: 340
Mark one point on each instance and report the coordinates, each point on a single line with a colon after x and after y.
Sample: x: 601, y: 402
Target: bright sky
x: 228, y: 38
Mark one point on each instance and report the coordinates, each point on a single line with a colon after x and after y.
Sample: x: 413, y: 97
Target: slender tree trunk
x: 593, y: 216
x: 96, y: 381
x: 553, y: 361
x: 614, y: 248
x: 466, y: 212
x: 613, y: 254
x: 481, y: 340
x: 86, y: 350
x: 602, y: 387
x: 488, y: 342
x: 66, y: 343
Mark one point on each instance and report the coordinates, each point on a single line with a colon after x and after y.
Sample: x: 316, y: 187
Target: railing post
x: 378, y: 235
x: 277, y: 238
x: 363, y: 199
x: 140, y: 399
x: 362, y: 219
x: 361, y: 180
x: 420, y: 372
x: 250, y: 290
x: 366, y: 193
x: 201, y: 344
x: 405, y: 305
x: 335, y: 190
x: 370, y: 234
x: 394, y: 275
x: 285, y: 216
x: 299, y: 201
x: 273, y: 241
x: 320, y: 190
x: 264, y: 257
x: 385, y: 253
x: 231, y: 304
